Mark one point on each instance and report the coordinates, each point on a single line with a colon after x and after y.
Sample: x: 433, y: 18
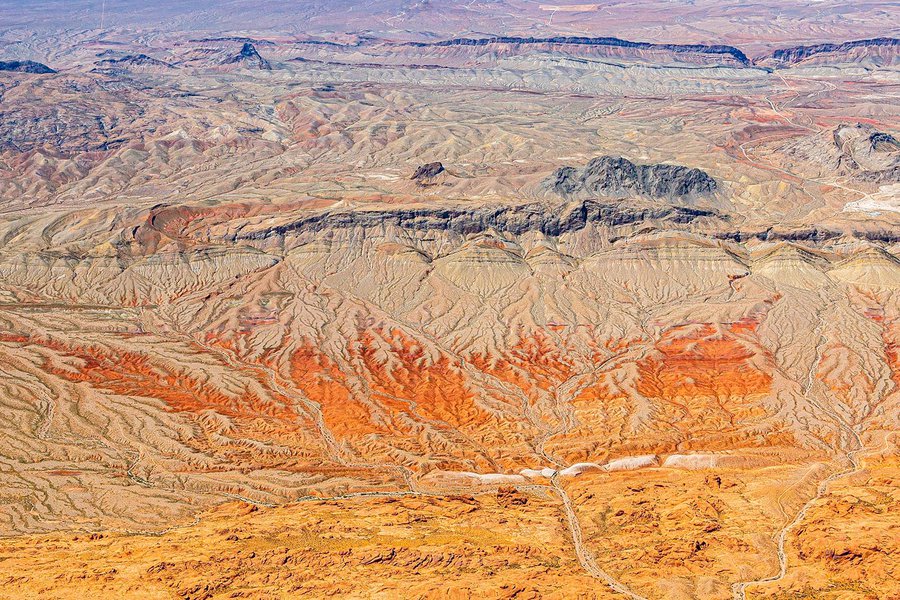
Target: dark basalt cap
x: 25, y: 66
x: 427, y: 171
x: 617, y: 176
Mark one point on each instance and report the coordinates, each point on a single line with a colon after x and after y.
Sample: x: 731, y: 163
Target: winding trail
x: 740, y: 589
x: 585, y: 557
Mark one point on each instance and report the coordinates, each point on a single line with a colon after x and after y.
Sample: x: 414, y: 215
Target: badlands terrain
x: 406, y: 299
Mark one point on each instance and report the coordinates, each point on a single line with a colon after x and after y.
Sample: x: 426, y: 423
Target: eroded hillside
x: 525, y: 316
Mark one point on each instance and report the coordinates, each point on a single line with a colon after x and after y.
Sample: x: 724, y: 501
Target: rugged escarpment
x: 789, y: 56
x: 515, y: 219
x: 619, y: 177
x: 721, y: 51
x: 134, y: 61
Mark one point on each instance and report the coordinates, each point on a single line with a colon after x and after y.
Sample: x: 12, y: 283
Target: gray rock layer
x: 428, y: 171
x: 616, y: 176
x: 515, y: 219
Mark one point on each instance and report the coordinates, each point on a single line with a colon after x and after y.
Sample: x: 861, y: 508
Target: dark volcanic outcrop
x: 890, y: 47
x: 427, y: 172
x: 141, y: 61
x: 25, y: 66
x: 249, y: 57
x: 618, y: 177
x: 714, y: 50
x: 883, y: 142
